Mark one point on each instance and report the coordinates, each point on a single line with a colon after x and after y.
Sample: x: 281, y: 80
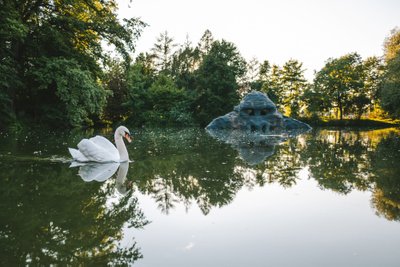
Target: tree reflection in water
x: 386, y: 177
x: 186, y: 168
x: 338, y: 160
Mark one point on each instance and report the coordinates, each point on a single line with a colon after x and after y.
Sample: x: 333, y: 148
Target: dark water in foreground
x: 325, y: 198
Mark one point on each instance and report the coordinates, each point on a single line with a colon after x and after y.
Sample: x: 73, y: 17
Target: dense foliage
x: 51, y: 55
x: 341, y: 81
x: 188, y: 87
x: 390, y: 93
x: 55, y: 70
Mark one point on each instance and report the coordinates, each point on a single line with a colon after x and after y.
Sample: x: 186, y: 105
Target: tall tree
x: 251, y: 81
x: 374, y: 71
x: 184, y: 62
x: 217, y: 81
x: 264, y: 71
x: 342, y: 80
x: 391, y: 44
x: 317, y: 102
x: 116, y: 82
x: 140, y: 77
x: 162, y: 52
x: 205, y: 42
x: 293, y: 85
x: 390, y: 90
x: 271, y: 77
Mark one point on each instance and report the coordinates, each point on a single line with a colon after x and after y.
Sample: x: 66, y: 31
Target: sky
x: 310, y: 31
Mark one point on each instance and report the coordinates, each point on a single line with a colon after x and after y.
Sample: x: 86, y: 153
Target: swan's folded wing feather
x: 94, y: 151
x: 77, y: 155
x: 103, y: 142
x: 107, y: 145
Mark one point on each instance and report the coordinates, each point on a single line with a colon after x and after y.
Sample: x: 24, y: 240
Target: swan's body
x: 99, y: 149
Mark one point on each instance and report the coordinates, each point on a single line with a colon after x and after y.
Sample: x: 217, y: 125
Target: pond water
x: 325, y: 198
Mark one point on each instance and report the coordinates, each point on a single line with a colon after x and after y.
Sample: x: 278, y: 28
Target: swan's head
x: 124, y: 132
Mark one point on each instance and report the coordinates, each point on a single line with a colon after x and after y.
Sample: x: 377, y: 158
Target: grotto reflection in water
x: 254, y: 147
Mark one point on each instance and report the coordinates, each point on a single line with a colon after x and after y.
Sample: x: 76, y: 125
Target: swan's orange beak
x: 128, y: 137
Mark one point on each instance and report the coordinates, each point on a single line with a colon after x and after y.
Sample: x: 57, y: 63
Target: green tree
x: 217, y: 81
x: 390, y: 90
x: 205, y: 43
x: 160, y: 98
x: 316, y: 101
x: 293, y: 84
x: 271, y: 77
x: 115, y: 80
x: 374, y: 71
x: 168, y: 104
x: 162, y: 52
x: 251, y: 81
x: 39, y: 36
x: 140, y: 77
x: 342, y: 79
x: 391, y: 44
x: 184, y: 62
x: 78, y: 93
x: 264, y: 71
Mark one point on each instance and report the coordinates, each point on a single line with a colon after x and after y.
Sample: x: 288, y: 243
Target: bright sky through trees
x: 310, y: 31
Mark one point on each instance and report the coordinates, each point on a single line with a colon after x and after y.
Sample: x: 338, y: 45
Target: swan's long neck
x: 123, y: 152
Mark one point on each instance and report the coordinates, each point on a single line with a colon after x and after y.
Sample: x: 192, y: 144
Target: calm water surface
x: 325, y: 198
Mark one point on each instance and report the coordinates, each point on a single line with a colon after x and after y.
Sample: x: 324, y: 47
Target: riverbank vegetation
x: 56, y: 71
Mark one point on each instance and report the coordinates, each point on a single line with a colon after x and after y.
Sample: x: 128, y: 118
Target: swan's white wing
x: 77, y: 155
x: 107, y: 145
x: 96, y: 149
x: 104, y: 143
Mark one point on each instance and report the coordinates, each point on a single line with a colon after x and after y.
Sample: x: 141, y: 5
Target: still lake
x: 325, y: 198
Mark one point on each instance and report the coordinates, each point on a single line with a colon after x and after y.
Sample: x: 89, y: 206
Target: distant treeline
x: 55, y: 71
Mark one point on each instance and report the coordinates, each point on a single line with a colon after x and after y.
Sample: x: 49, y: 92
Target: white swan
x: 99, y: 149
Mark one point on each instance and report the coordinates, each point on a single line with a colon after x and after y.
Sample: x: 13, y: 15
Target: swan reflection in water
x: 100, y: 172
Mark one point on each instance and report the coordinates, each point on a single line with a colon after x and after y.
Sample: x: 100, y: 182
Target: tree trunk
x: 340, y: 109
